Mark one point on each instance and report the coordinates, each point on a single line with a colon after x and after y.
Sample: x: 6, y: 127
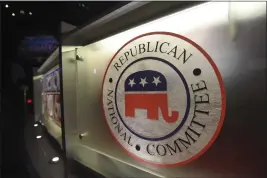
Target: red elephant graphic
x: 148, y: 90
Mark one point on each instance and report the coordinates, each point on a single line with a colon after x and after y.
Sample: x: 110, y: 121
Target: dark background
x: 45, y: 20
x: 37, y: 19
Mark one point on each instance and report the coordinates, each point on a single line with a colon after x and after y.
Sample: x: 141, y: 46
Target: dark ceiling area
x: 80, y: 13
x: 21, y: 19
x: 75, y: 13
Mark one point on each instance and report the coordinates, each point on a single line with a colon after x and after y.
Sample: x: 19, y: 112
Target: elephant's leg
x: 165, y: 113
x: 152, y: 111
x: 129, y: 106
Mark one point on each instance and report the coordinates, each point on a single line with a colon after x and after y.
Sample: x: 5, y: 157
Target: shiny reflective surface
x: 37, y: 97
x: 154, y: 122
x: 240, y: 149
x: 50, y: 103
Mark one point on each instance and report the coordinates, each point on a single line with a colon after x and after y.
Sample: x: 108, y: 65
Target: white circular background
x: 198, y: 60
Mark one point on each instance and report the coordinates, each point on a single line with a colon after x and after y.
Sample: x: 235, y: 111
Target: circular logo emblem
x: 163, y: 99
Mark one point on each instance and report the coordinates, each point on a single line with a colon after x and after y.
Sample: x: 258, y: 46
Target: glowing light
x: 35, y: 125
x: 55, y: 159
x: 13, y: 14
x: 6, y: 5
x: 30, y: 13
x: 29, y: 101
x: 38, y: 136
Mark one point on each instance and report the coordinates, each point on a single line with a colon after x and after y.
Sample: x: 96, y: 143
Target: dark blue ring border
x: 187, y: 94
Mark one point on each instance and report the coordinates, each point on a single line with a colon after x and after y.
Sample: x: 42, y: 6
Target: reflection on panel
x: 241, y: 60
x: 51, y: 106
x: 69, y: 70
x: 51, y: 81
x: 37, y: 90
x: 51, y: 110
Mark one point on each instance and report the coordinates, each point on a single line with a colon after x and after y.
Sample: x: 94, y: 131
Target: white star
x: 131, y: 82
x: 156, y: 81
x: 143, y: 82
